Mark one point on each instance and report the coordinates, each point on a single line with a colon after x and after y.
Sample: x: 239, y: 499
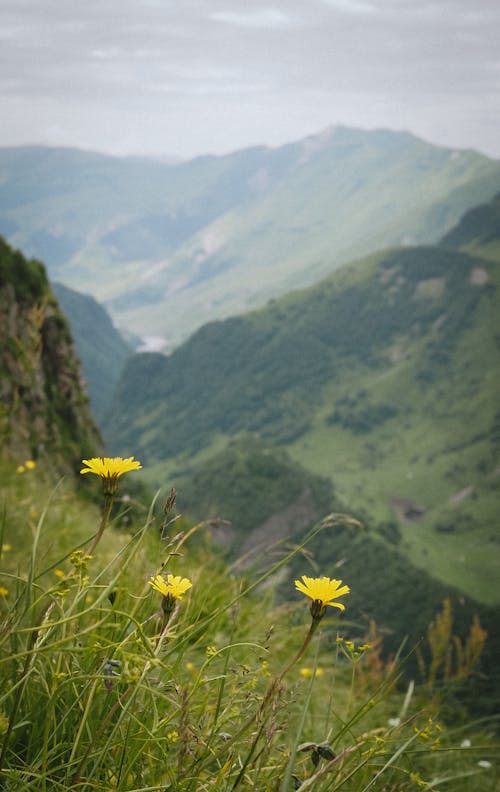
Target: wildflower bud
x: 326, y: 752
x: 318, y: 610
x: 167, y: 604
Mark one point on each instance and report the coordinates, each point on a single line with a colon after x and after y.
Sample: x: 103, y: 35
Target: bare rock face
x: 44, y: 406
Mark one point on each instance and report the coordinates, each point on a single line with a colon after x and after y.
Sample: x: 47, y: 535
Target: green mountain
x: 168, y: 247
x: 478, y: 231
x: 384, y: 378
x: 100, y: 347
x: 44, y: 407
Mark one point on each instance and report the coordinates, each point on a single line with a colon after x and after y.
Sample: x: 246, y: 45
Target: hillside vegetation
x: 44, y: 406
x: 384, y: 379
x: 101, y: 349
x: 108, y: 684
x: 168, y: 247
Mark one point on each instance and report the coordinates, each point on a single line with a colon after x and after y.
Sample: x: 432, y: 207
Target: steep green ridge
x: 100, y: 347
x: 44, y: 407
x: 169, y: 247
x: 384, y: 378
x: 478, y: 231
x: 265, y: 371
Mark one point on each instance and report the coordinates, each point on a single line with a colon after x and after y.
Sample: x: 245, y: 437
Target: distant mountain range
x: 383, y: 378
x: 167, y: 247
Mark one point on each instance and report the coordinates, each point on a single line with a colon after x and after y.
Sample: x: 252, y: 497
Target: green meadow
x: 225, y: 684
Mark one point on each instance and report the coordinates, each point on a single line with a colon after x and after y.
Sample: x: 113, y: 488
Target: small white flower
x: 484, y: 763
x: 394, y: 721
x: 465, y: 743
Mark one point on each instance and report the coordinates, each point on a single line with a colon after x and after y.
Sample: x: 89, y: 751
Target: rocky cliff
x: 44, y: 406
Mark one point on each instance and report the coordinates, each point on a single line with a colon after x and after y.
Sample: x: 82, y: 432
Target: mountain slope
x: 44, y: 407
x: 478, y: 231
x: 384, y: 378
x: 169, y: 247
x: 99, y: 346
x: 272, y: 504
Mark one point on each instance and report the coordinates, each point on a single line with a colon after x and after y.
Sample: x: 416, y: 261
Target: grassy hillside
x: 106, y: 684
x: 170, y: 247
x: 384, y: 379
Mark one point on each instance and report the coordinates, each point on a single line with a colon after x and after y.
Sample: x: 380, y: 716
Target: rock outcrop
x: 44, y: 406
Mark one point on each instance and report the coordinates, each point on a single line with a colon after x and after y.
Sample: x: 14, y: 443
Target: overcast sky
x: 184, y: 77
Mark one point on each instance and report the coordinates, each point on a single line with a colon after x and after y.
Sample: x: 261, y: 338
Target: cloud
x: 214, y: 75
x: 266, y: 18
x: 352, y: 6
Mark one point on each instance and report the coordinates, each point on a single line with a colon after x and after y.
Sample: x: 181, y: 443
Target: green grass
x: 102, y: 689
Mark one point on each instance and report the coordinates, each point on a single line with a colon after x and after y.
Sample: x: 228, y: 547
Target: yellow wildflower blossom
x: 323, y: 591
x: 20, y: 469
x: 110, y: 469
x: 3, y: 591
x: 174, y: 586
x: 30, y: 464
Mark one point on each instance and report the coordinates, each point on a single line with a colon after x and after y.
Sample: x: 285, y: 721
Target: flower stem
x: 296, y: 658
x: 108, y: 502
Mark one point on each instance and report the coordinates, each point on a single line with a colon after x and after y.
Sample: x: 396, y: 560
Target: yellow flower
x: 59, y: 573
x: 6, y: 548
x: 30, y: 464
x: 20, y: 469
x: 322, y: 591
x: 110, y: 469
x: 174, y: 586
x: 307, y: 672
x: 3, y: 591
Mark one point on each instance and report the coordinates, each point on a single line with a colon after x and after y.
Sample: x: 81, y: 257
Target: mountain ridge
x: 168, y: 247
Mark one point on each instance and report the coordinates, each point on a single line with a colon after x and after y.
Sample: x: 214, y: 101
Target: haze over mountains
x: 167, y: 247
